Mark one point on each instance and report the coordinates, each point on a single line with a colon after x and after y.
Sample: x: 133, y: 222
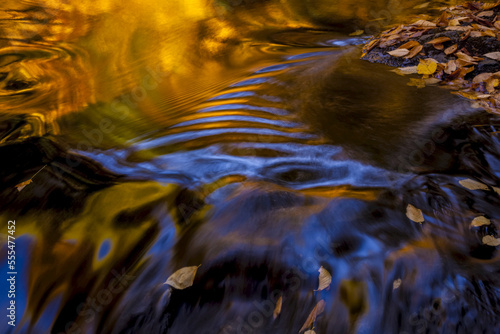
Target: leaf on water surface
x: 497, y: 190
x: 325, y: 279
x: 480, y: 221
x: 399, y: 52
x: 414, y: 214
x: 493, y: 55
x: 182, y: 278
x: 427, y: 66
x: 277, y: 309
x: 396, y: 284
x: 310, y: 332
x: 473, y: 185
x: 318, y: 309
x: 357, y: 33
x: 405, y: 70
x: 491, y: 241
x: 22, y: 185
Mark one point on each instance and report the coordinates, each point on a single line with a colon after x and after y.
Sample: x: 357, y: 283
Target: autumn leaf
x: 491, y: 241
x: 482, y: 77
x: 451, y: 49
x: 325, y: 279
x: 414, y: 51
x: 396, y: 284
x: 277, y: 309
x: 473, y: 185
x: 424, y: 23
x: 182, y: 278
x: 23, y: 185
x: 357, y: 33
x: 405, y: 70
x: 427, y: 66
x: 439, y: 40
x: 497, y: 190
x: 410, y: 44
x: 486, y: 14
x: 493, y: 55
x: 480, y: 221
x: 318, y: 309
x: 399, y: 52
x: 414, y: 214
x: 310, y: 332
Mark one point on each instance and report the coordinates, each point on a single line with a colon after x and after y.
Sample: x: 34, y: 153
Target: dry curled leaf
x: 451, y: 49
x: 491, y: 241
x: 439, y: 40
x: 410, y: 44
x: 493, y: 55
x: 405, y: 70
x: 427, y: 66
x: 414, y: 214
x: 22, y: 185
x: 480, y: 221
x: 414, y: 51
x: 277, y: 309
x: 399, y: 52
x: 473, y: 185
x: 318, y: 309
x: 325, y: 279
x: 182, y: 278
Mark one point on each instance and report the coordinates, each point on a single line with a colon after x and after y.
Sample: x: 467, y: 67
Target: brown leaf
x: 310, y: 332
x: 473, y: 185
x: 405, y: 70
x: 399, y: 52
x: 22, y: 185
x: 423, y: 23
x: 277, y: 309
x: 318, y: 309
x: 439, y: 40
x: 458, y: 28
x: 182, y: 278
x: 414, y: 214
x: 481, y: 77
x: 486, y: 14
x: 480, y: 221
x: 491, y: 241
x: 493, y: 55
x: 451, y: 49
x: 451, y: 67
x: 414, y: 51
x: 325, y: 279
x: 408, y: 45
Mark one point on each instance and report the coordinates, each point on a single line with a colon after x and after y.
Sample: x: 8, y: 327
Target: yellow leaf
x: 473, y: 185
x: 480, y: 221
x: 493, y: 55
x: 427, y: 66
x: 414, y: 214
x: 419, y: 83
x: 310, y: 332
x: 497, y: 190
x: 22, y: 185
x: 491, y: 241
x: 277, y: 309
x: 182, y: 278
x: 325, y: 279
x: 357, y: 33
x: 318, y: 309
x: 399, y: 52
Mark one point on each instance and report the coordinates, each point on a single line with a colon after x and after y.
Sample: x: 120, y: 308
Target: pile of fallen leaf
x: 459, y: 50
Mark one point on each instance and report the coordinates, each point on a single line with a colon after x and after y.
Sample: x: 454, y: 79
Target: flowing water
x: 247, y: 137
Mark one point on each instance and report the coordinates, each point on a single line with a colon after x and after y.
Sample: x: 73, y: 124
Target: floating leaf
x: 427, y: 66
x: 473, y: 185
x: 357, y: 33
x: 419, y: 83
x: 399, y: 52
x: 491, y: 241
x: 405, y: 70
x: 497, y: 190
x: 414, y: 214
x: 22, y: 185
x: 396, y: 284
x: 318, y: 309
x: 493, y: 55
x: 277, y: 309
x: 182, y: 278
x: 325, y: 279
x: 310, y: 332
x: 480, y: 221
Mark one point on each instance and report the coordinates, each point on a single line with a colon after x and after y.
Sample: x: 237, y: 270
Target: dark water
x: 245, y: 137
